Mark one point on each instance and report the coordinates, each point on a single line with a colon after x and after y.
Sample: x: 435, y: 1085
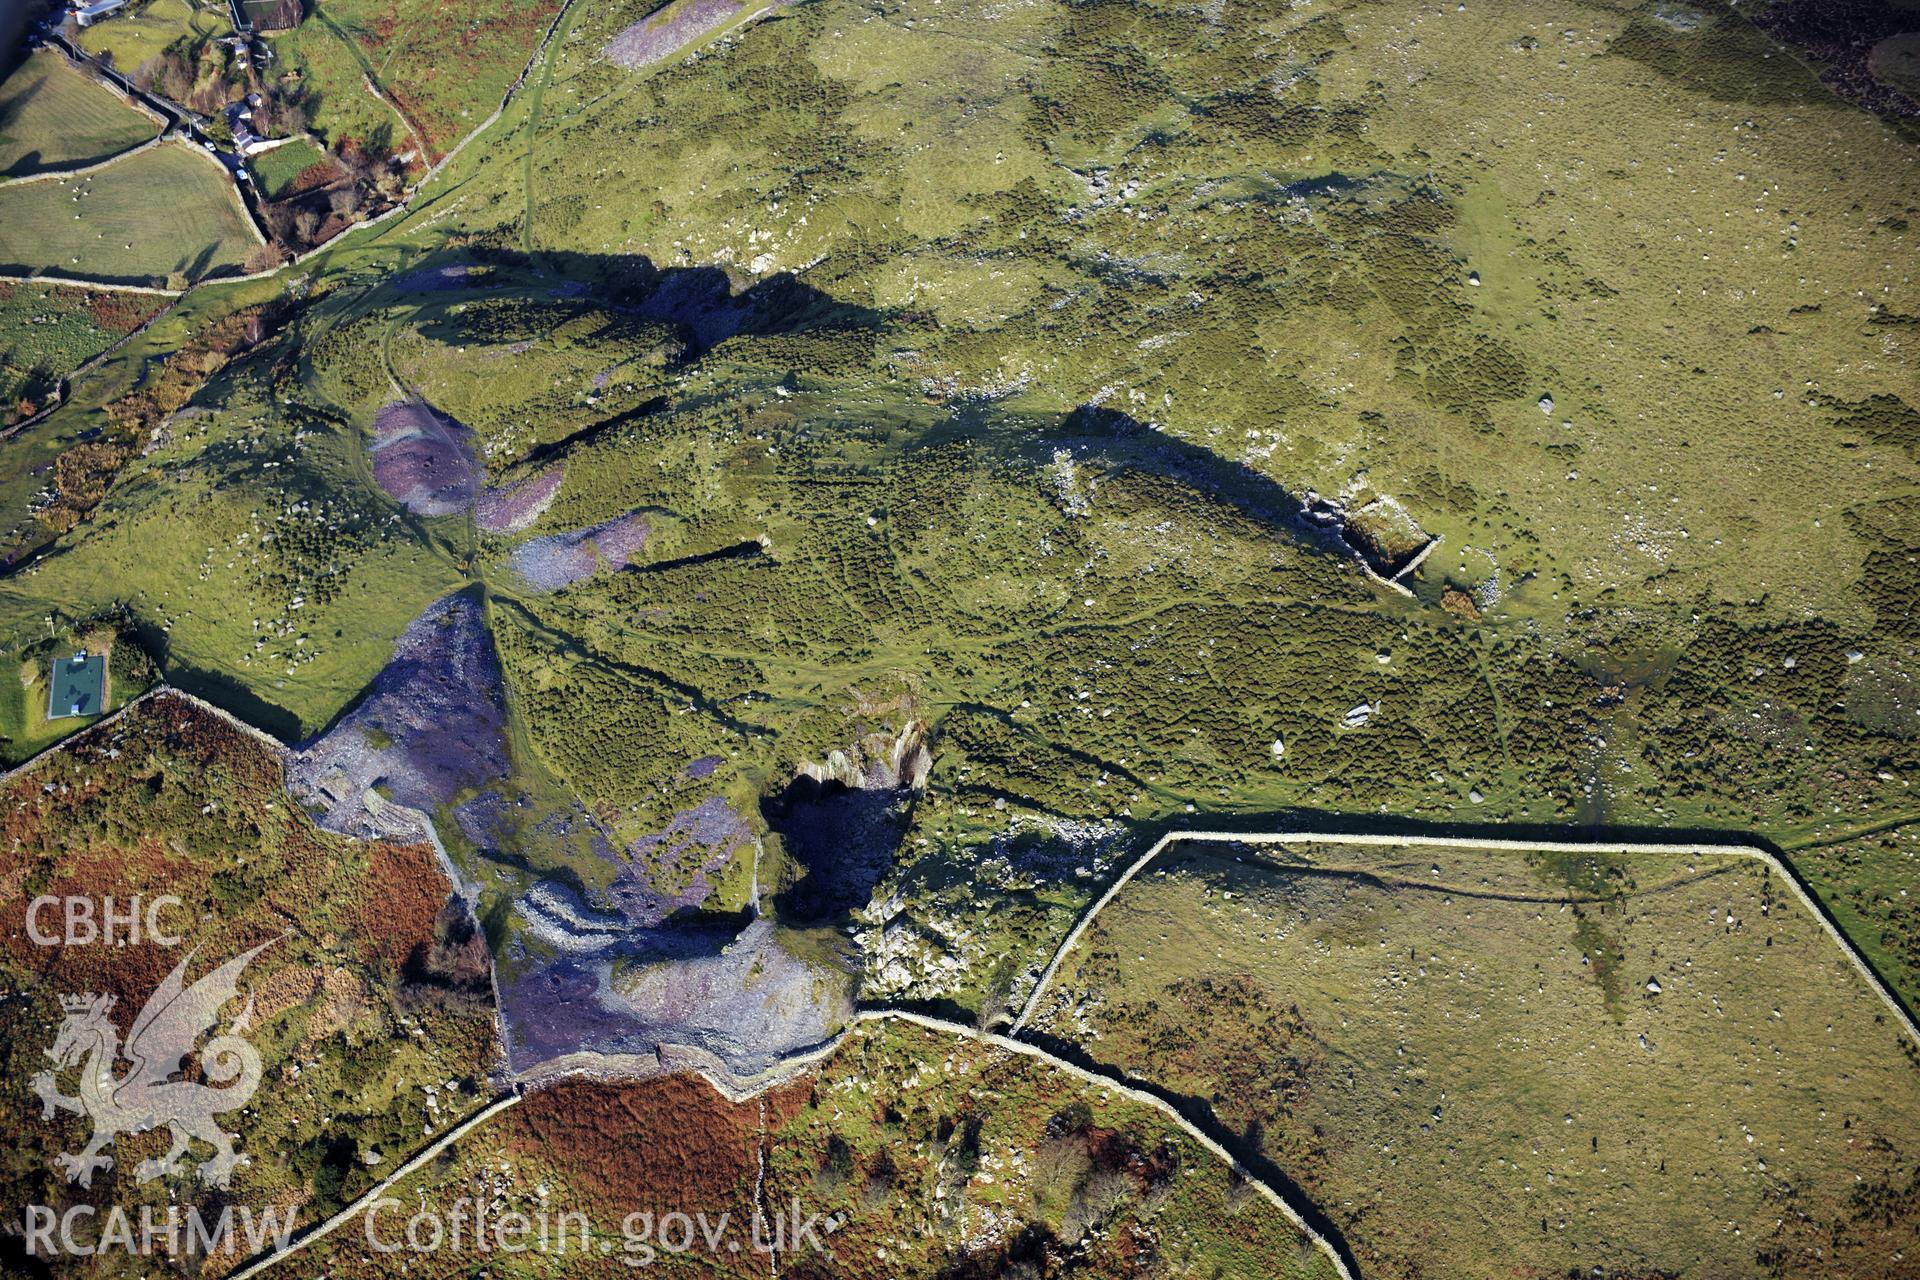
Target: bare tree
x: 291, y: 112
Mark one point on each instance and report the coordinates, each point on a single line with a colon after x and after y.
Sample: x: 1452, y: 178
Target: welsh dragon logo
x: 149, y: 1095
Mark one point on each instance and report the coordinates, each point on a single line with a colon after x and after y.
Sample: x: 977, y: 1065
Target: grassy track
x: 353, y: 48
x: 166, y: 210
x: 535, y: 94
x: 328, y: 65
x: 53, y: 117
x: 444, y: 78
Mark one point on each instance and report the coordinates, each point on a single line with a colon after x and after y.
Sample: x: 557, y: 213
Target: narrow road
x: 535, y: 97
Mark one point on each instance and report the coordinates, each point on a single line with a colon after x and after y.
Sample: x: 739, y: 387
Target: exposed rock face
x: 643, y: 966
x: 562, y: 559
x: 1381, y: 530
x: 423, y: 459
x: 1385, y: 534
x: 675, y: 869
x: 658, y: 36
x: 432, y: 726
x: 879, y: 761
x: 611, y: 989
x: 514, y: 507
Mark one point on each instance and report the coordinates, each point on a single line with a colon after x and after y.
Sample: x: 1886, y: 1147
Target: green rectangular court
x: 79, y: 685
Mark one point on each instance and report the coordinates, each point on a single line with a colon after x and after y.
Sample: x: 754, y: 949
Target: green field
x: 279, y: 169
x: 447, y: 77
x: 130, y: 38
x: 53, y: 117
x: 47, y: 331
x: 166, y: 212
x: 1869, y: 885
x: 331, y: 76
x: 907, y: 425
x: 1644, y: 1065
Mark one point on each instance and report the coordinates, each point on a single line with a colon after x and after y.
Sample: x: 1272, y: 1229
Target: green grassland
x: 147, y: 31
x: 1868, y: 884
x: 279, y: 169
x: 525, y: 371
x: 966, y: 364
x: 163, y: 213
x: 284, y: 583
x: 367, y: 1038
x: 53, y: 117
x: 929, y: 1154
x: 959, y: 557
x: 330, y: 82
x: 1385, y: 364
x: 1655, y: 1065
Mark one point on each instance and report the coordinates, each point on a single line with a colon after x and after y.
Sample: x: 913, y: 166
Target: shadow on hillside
x: 1106, y: 439
x: 700, y: 303
x: 843, y: 838
x: 221, y: 690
